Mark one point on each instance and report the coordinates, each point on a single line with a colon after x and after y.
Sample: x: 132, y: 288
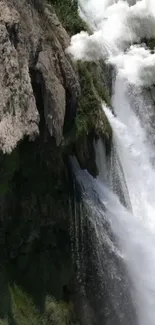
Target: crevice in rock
x: 38, y: 50
x: 13, y: 34
x: 85, y: 154
x: 37, y: 86
x: 37, y: 4
x: 70, y: 113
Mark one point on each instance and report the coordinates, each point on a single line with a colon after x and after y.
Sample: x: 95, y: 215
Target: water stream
x: 123, y: 195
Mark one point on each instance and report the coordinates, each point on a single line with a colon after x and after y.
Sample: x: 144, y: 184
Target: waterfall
x: 111, y: 172
x: 121, y: 201
x: 135, y: 246
x: 106, y: 283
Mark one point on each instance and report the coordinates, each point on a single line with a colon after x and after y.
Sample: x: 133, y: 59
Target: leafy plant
x: 67, y: 11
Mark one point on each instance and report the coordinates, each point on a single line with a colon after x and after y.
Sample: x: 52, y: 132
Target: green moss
x: 90, y: 116
x: 67, y: 12
x: 24, y: 312
x: 97, y: 72
x: 59, y: 313
x: 4, y: 322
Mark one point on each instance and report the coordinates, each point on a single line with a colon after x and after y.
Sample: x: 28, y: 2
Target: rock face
x: 38, y: 89
x: 46, y: 99
x: 29, y: 48
x: 18, y: 112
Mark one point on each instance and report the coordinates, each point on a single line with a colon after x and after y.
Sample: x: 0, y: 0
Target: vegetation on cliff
x: 23, y: 311
x: 67, y: 12
x: 90, y: 116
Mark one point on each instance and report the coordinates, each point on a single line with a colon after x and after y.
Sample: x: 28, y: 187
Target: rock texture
x: 18, y: 112
x: 29, y: 48
x: 38, y: 92
x: 47, y: 99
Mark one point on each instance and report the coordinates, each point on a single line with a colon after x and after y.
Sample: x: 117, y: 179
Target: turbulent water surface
x: 126, y: 191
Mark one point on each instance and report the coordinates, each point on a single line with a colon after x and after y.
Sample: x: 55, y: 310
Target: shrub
x: 67, y: 12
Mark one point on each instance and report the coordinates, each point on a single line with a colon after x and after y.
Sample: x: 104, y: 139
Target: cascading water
x: 135, y: 246
x: 120, y: 29
x: 106, y: 283
x: 111, y: 172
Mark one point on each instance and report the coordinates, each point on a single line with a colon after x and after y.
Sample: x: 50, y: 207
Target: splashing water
x: 119, y: 29
x: 116, y: 26
x: 136, y: 243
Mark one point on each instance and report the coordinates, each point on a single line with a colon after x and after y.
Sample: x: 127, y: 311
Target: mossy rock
x: 59, y: 313
x: 24, y: 311
x: 67, y: 12
x: 4, y: 322
x: 90, y: 115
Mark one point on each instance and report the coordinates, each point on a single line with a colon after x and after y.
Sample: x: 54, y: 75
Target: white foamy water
x: 119, y: 30
x: 115, y: 26
x: 137, y: 244
x: 135, y: 247
x: 138, y: 171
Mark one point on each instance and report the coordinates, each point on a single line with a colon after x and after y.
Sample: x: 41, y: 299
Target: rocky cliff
x: 50, y: 109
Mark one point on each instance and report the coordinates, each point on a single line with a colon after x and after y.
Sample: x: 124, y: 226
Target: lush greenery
x: 23, y: 311
x: 67, y: 11
x: 90, y: 115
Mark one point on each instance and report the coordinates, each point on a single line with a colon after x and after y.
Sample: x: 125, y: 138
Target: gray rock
x: 32, y: 40
x: 18, y: 112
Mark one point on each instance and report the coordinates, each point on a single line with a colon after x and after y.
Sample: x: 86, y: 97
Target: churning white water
x: 135, y: 244
x: 120, y: 29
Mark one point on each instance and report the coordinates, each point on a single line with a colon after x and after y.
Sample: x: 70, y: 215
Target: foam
x: 116, y: 26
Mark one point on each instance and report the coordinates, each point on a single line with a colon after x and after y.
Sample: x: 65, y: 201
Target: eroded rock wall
x: 55, y: 103
x: 32, y: 42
